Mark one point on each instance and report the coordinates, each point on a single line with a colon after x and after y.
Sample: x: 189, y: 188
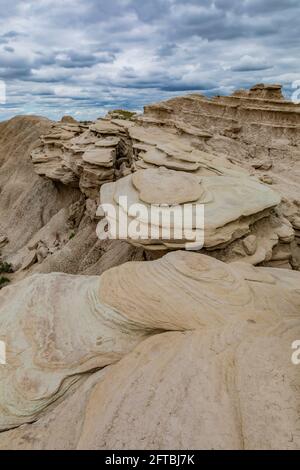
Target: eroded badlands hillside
x: 151, y: 346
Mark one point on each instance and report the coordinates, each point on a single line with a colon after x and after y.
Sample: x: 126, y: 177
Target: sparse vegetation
x: 3, y: 281
x: 72, y: 235
x: 5, y: 267
x: 125, y: 114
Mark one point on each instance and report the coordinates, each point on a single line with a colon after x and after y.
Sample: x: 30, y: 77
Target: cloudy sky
x: 84, y: 57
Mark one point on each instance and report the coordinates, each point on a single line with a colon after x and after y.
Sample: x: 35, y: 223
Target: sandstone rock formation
x: 45, y: 225
x: 255, y: 128
x: 151, y: 346
x: 230, y: 205
x: 259, y: 118
x: 250, y: 133
x: 214, y: 382
x: 29, y: 205
x: 84, y: 155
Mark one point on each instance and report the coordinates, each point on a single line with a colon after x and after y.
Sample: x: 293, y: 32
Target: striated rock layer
x: 214, y: 382
x: 84, y: 154
x: 46, y: 225
x: 230, y: 206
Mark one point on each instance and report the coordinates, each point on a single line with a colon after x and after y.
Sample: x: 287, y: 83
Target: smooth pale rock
x: 103, y: 126
x: 99, y: 157
x: 219, y: 390
x: 140, y: 146
x: 56, y: 331
x: 166, y: 187
x: 250, y: 244
x: 230, y: 205
x: 149, y: 136
x: 158, y: 158
x: 192, y: 130
x: 108, y: 142
x: 296, y: 222
x: 233, y: 326
x: 29, y: 260
x: 267, y: 179
x: 61, y: 135
x: 176, y: 148
x: 262, y: 165
x: 285, y: 232
x: 60, y: 428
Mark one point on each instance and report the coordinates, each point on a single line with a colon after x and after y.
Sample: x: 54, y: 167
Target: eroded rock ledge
x: 213, y: 379
x: 83, y: 154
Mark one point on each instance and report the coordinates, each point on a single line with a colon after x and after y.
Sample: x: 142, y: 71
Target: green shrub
x: 3, y: 281
x: 5, y: 267
x: 125, y: 114
x: 72, y: 235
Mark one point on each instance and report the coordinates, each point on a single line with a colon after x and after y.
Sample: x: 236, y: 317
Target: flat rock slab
x: 163, y: 186
x: 106, y: 127
x: 102, y: 157
x: 159, y: 158
x: 108, y: 142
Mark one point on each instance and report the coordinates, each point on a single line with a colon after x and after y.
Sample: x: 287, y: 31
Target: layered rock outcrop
x: 46, y: 225
x: 220, y: 369
x: 244, y: 136
x: 257, y: 128
x: 174, y: 198
x: 259, y: 118
x: 84, y: 154
x: 29, y: 205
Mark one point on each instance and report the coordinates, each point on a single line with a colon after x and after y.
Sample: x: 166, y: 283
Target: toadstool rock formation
x: 232, y: 208
x: 250, y: 133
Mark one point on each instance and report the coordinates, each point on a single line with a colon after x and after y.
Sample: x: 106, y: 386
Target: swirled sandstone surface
x: 200, y: 349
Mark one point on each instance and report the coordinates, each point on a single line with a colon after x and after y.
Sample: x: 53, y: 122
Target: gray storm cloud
x: 85, y: 56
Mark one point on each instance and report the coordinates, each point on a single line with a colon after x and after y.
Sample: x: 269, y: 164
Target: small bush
x: 72, y: 235
x: 125, y: 114
x: 6, y: 267
x: 3, y: 281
